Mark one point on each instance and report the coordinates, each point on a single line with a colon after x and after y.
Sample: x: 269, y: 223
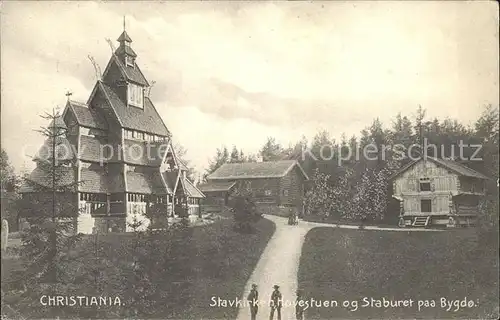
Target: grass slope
x: 343, y: 264
x: 220, y: 263
x: 225, y: 262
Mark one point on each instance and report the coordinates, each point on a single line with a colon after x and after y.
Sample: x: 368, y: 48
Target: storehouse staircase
x: 421, y: 221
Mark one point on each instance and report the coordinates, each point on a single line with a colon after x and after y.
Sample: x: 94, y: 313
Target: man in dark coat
x: 299, y: 305
x: 276, y: 302
x: 253, y: 301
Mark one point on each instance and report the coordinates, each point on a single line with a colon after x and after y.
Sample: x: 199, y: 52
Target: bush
x: 245, y: 213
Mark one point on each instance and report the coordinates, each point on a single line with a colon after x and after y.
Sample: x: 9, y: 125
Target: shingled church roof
x: 147, y: 119
x: 87, y: 117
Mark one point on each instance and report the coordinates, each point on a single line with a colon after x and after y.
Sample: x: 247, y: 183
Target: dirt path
x: 279, y: 265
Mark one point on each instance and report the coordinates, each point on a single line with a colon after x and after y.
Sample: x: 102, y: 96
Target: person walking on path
x: 299, y: 305
x: 253, y: 300
x: 276, y: 303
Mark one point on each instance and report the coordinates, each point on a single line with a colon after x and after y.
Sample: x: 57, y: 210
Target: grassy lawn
x: 344, y: 264
x: 225, y: 261
x: 218, y: 262
x: 390, y: 222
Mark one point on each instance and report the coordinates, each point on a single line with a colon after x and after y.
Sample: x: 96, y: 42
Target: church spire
x: 124, y: 51
x: 124, y: 38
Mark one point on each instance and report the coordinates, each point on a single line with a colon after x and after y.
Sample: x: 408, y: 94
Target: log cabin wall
x: 265, y: 190
x: 441, y: 179
x: 291, y: 188
x: 442, y: 184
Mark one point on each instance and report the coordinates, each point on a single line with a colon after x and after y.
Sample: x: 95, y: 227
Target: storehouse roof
x: 451, y: 165
x: 251, y: 170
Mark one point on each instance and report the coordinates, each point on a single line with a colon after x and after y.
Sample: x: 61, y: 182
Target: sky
x: 234, y: 73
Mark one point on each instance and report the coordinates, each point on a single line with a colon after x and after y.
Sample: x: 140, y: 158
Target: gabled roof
x: 451, y: 165
x: 216, y: 186
x: 182, y: 166
x: 87, y: 117
x: 171, y: 178
x: 252, y: 170
x: 146, y: 120
x: 460, y: 169
x: 58, y: 123
x: 134, y: 74
x: 130, y: 73
x: 190, y: 189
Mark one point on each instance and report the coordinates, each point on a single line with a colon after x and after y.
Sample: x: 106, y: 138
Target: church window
x: 135, y: 95
x: 85, y: 131
x: 129, y: 61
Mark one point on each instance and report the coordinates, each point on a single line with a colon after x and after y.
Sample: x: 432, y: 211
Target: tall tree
x: 419, y: 127
x: 221, y: 157
x: 9, y: 187
x: 251, y: 158
x: 487, y: 131
x: 235, y: 156
x: 271, y: 150
x: 49, y: 207
x: 9, y: 180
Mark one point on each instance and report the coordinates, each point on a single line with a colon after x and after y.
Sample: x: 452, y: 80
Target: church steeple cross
x: 68, y: 94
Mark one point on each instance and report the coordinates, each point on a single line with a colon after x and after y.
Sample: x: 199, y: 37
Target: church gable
x: 145, y: 120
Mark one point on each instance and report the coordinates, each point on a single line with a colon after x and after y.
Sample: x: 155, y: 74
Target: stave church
x: 116, y: 167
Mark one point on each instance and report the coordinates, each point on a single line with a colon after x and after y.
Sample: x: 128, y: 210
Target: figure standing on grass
x: 253, y: 300
x: 299, y: 305
x: 276, y: 302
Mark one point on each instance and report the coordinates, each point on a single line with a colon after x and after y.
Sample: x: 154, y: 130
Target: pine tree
x: 271, y: 150
x: 50, y: 210
x: 221, y: 157
x: 235, y: 156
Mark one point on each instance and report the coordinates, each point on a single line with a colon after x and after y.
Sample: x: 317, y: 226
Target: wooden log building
x: 276, y: 186
x: 438, y: 192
